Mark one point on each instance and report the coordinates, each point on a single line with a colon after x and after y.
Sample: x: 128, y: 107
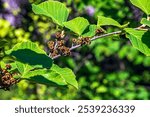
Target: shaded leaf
x: 144, y: 5
x: 145, y: 22
x: 77, y: 25
x: 44, y: 76
x: 29, y: 53
x: 139, y: 39
x: 91, y: 31
x: 3, y: 43
x: 104, y: 21
x: 53, y: 9
x: 68, y: 75
x: 57, y: 75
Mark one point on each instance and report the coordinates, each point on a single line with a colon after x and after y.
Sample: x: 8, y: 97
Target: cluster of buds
x: 99, y: 31
x: 58, y: 46
x: 6, y: 78
x: 81, y: 41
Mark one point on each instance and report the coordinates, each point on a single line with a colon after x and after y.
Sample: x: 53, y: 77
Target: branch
x: 92, y: 39
x: 101, y: 36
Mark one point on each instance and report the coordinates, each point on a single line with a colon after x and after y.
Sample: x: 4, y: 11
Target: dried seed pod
x: 60, y: 43
x: 60, y: 35
x: 74, y: 41
x: 7, y: 82
x: 8, y: 66
x: 64, y: 51
x: 4, y: 71
x: 60, y: 49
x: 6, y: 79
x: 85, y: 41
x: 79, y: 41
x: 51, y: 45
x: 99, y: 31
x: 67, y: 52
x: 13, y: 81
x: 54, y: 53
x: 88, y: 41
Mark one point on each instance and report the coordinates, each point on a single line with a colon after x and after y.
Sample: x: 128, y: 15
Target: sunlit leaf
x: 144, y: 5
x: 91, y: 31
x: 77, y: 25
x: 53, y: 9
x: 57, y: 75
x: 104, y: 21
x: 145, y: 22
x: 3, y: 43
x: 139, y: 39
x: 23, y: 68
x: 68, y: 75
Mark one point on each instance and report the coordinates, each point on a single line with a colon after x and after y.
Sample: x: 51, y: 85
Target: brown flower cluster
x: 58, y: 46
x: 99, y: 31
x: 81, y: 41
x: 6, y: 78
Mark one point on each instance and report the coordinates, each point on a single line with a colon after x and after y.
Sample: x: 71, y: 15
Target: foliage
x: 104, y: 70
x: 140, y: 40
x: 145, y: 22
x: 142, y: 4
x: 103, y: 21
x: 53, y: 9
x: 77, y: 25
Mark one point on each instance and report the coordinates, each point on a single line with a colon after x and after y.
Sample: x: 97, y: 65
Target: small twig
x: 98, y: 37
x: 92, y: 39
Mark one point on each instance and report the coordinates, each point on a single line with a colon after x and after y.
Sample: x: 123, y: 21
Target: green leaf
x: 67, y: 74
x: 145, y: 22
x: 13, y: 66
x: 20, y: 66
x: 23, y: 68
x: 77, y: 25
x: 91, y: 31
x: 3, y: 42
x: 2, y: 64
x: 144, y: 5
x: 139, y: 39
x: 29, y: 53
x: 53, y: 9
x: 55, y: 75
x: 104, y: 21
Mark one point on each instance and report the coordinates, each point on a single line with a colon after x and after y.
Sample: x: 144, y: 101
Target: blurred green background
x: 110, y: 68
